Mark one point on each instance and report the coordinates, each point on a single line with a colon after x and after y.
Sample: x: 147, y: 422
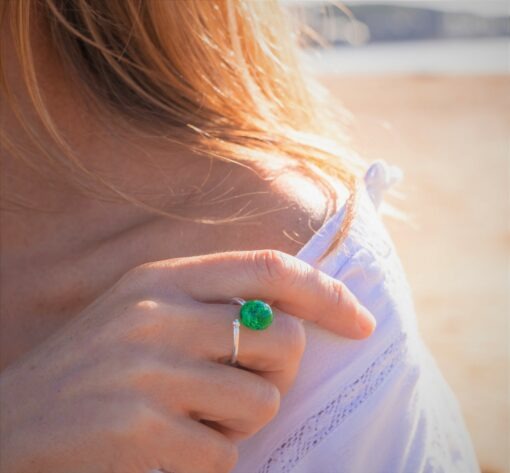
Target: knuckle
x: 272, y: 265
x: 293, y: 338
x: 142, y: 273
x: 267, y: 400
x: 222, y: 455
x: 144, y: 307
x: 338, y: 293
x: 134, y: 424
x: 137, y: 419
x: 145, y: 321
x: 151, y: 275
x: 146, y: 313
x: 144, y: 373
x: 146, y: 425
x: 148, y: 422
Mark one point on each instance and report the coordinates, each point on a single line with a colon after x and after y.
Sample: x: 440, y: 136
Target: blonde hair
x: 221, y: 76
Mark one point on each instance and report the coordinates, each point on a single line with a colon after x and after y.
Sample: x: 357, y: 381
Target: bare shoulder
x: 290, y: 210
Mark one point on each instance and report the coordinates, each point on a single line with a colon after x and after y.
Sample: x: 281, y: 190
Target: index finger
x: 295, y: 287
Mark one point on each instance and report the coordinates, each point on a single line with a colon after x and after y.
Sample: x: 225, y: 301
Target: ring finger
x: 274, y: 353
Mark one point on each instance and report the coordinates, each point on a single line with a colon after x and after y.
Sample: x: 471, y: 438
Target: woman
x: 137, y: 135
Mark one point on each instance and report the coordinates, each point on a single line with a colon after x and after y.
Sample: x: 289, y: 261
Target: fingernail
x: 366, y: 323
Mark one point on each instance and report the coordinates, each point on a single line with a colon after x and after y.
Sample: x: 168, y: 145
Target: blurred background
x: 427, y: 85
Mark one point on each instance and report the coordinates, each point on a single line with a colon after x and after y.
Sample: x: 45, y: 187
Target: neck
x: 52, y: 213
x: 163, y: 174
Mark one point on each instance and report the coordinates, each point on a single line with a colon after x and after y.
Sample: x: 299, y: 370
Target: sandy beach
x: 451, y: 137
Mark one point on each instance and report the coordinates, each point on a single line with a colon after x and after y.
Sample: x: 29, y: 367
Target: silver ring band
x: 236, y: 324
x: 235, y: 348
x: 237, y: 300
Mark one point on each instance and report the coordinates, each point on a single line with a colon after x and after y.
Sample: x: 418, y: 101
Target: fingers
x: 206, y: 335
x: 295, y: 287
x: 205, y: 332
x: 274, y: 352
x: 238, y: 402
x: 201, y: 449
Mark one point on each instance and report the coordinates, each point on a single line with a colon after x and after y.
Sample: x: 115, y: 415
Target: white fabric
x: 377, y: 405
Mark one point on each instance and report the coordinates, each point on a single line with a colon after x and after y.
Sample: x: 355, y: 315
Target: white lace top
x: 377, y: 405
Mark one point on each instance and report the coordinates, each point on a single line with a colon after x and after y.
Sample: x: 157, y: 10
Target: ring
x: 254, y: 314
x: 235, y: 348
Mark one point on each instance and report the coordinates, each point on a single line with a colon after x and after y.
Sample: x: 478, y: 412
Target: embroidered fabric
x: 321, y: 424
x: 378, y: 405
x: 364, y: 406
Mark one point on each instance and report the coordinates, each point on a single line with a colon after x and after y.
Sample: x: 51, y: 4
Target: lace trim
x: 318, y: 426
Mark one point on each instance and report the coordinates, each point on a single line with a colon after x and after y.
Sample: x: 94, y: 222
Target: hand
x: 139, y: 379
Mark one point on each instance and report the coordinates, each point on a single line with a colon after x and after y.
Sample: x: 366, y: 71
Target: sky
x: 482, y: 7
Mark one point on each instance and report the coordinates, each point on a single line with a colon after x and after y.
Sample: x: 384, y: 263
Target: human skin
x: 114, y: 334
x: 123, y: 386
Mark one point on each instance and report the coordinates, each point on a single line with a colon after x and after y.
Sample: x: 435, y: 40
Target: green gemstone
x: 256, y: 315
